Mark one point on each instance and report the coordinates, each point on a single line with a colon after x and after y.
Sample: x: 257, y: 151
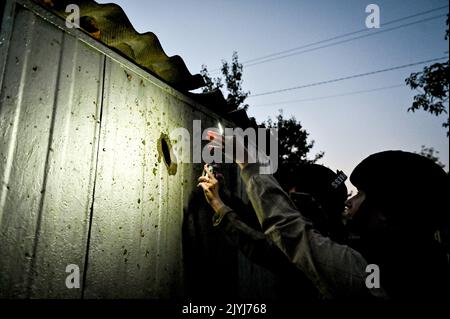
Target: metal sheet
x: 122, y: 232
x: 49, y: 114
x: 82, y: 179
x: 71, y: 169
x: 136, y: 245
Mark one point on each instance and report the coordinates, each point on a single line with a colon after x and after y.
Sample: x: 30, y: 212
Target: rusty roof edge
x: 109, y: 24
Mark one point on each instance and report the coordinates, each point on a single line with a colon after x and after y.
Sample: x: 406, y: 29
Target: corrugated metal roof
x: 85, y: 182
x: 109, y: 24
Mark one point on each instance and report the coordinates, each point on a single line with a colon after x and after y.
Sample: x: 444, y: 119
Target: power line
x: 342, y: 35
x: 332, y: 96
x: 347, y: 40
x: 337, y: 37
x: 348, y: 77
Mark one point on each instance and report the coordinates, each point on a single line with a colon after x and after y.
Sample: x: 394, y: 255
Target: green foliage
x: 293, y: 147
x: 232, y: 74
x: 211, y: 83
x: 431, y: 153
x: 233, y: 79
x: 432, y: 83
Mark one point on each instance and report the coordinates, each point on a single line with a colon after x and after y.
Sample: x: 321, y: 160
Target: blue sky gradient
x: 347, y: 128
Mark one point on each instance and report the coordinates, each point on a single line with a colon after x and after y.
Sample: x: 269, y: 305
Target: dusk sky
x: 348, y: 127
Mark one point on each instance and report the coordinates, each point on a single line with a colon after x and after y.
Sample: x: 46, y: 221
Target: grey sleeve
x: 336, y: 270
x: 254, y: 244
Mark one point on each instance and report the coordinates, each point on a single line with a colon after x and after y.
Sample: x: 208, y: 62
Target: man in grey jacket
x: 315, y: 190
x: 340, y: 271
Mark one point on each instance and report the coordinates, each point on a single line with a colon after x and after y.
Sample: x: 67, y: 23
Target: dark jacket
x: 335, y: 270
x: 290, y: 282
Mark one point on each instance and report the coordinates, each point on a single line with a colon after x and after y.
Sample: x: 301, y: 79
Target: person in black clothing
x: 400, y: 214
x: 314, y: 189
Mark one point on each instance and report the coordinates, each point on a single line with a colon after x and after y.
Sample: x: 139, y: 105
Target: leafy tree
x: 432, y: 83
x: 431, y: 153
x: 233, y: 80
x: 211, y: 83
x: 293, y: 147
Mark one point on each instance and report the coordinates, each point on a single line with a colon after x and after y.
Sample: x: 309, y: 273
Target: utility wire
x: 341, y: 36
x: 348, y: 77
x: 331, y: 96
x: 337, y: 37
x: 346, y: 40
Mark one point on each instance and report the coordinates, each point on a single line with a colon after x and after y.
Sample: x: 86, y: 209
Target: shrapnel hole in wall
x: 165, y: 152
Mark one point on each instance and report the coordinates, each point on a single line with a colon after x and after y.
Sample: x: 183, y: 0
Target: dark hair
x: 409, y: 188
x: 410, y: 191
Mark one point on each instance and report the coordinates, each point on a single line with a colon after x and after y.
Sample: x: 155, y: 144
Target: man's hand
x: 218, y: 142
x: 210, y: 186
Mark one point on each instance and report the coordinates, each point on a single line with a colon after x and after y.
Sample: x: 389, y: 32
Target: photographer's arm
x: 336, y: 270
x: 254, y: 244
